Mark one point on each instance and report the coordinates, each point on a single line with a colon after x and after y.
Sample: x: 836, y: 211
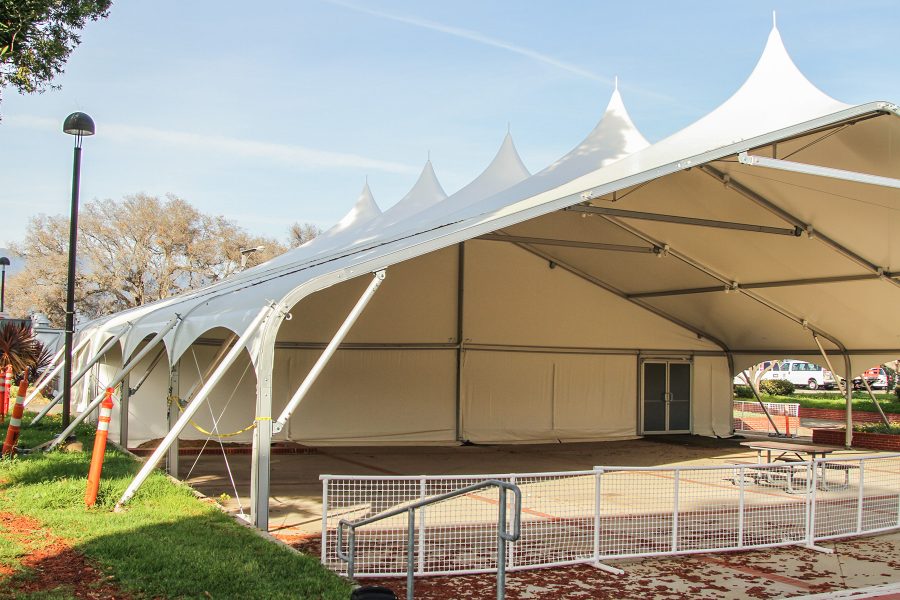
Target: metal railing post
x: 597, y: 505
x: 741, y: 507
x: 410, y: 553
x: 811, y: 502
x: 511, y: 553
x: 422, y: 490
x: 860, y: 495
x: 501, y: 546
x: 675, y: 512
x: 324, y: 518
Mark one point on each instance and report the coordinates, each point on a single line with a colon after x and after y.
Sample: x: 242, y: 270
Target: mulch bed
x: 52, y: 563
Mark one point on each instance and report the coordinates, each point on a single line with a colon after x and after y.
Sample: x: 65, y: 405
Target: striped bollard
x: 8, y: 381
x: 15, y: 422
x: 93, y: 484
x: 3, y: 400
x: 8, y: 386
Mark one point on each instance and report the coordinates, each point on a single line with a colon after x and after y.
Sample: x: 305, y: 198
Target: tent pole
x: 172, y: 414
x: 48, y: 376
x: 848, y: 386
x: 761, y: 403
x: 84, y: 370
x: 332, y: 347
x: 846, y: 389
x: 192, y: 408
x: 260, y: 466
x: 751, y: 195
x: 124, y: 400
x: 715, y: 275
x: 884, y: 418
x: 115, y: 381
x: 223, y: 349
x: 460, y: 299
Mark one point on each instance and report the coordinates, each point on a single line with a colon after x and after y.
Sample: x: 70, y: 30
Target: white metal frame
x: 711, y: 508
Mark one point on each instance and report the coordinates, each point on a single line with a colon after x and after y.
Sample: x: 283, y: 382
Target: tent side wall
x: 547, y: 356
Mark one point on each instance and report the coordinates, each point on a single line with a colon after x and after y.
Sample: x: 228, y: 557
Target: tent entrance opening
x: 666, y: 396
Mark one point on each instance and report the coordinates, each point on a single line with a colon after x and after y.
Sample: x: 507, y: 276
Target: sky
x: 280, y: 111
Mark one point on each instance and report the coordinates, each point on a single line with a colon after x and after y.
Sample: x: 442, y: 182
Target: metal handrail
x: 503, y: 535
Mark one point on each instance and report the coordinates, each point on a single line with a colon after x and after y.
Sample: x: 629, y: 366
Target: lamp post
x: 4, y: 262
x: 79, y: 125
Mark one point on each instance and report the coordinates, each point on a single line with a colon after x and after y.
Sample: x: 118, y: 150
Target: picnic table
x: 786, y: 452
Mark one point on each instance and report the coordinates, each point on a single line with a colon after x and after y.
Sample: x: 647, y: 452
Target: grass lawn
x: 165, y: 544
x: 889, y: 402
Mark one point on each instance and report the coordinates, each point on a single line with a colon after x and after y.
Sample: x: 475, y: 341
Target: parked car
x: 877, y: 377
x: 800, y: 373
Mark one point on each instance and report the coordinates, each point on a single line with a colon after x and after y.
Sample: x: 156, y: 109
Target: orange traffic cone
x: 15, y: 423
x: 93, y: 484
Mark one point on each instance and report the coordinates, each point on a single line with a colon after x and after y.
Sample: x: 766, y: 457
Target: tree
x: 130, y: 252
x: 300, y: 233
x: 37, y: 37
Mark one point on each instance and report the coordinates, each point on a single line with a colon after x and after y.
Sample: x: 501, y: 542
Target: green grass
x: 888, y: 402
x: 167, y: 543
x: 891, y: 429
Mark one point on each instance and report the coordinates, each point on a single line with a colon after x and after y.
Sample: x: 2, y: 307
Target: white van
x: 798, y: 372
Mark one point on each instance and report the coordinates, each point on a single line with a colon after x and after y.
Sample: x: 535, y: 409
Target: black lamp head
x: 78, y: 123
x: 4, y: 262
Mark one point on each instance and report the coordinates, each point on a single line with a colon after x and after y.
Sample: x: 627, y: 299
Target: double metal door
x: 666, y: 394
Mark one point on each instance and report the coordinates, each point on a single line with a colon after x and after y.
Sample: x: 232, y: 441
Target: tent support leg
x: 884, y: 418
x: 848, y: 388
x: 58, y: 364
x: 260, y: 475
x: 84, y: 370
x: 191, y: 409
x: 157, y: 339
x: 761, y: 403
x: 460, y: 299
x: 124, y: 400
x: 329, y: 351
x: 172, y: 420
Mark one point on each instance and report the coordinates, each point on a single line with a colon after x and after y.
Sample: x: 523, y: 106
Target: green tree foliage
x: 37, y: 37
x: 130, y: 252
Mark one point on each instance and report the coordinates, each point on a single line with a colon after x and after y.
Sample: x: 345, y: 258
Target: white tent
x: 612, y: 294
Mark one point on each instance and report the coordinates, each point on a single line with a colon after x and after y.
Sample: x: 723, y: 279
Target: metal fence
x: 612, y: 512
x: 749, y: 416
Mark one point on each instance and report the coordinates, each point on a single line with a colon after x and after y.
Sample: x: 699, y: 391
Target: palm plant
x: 19, y: 348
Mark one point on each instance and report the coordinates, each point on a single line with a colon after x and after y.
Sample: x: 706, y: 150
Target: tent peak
x: 425, y: 192
x: 364, y: 210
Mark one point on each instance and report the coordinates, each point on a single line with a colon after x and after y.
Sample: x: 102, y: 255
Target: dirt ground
x: 760, y: 574
x: 53, y: 564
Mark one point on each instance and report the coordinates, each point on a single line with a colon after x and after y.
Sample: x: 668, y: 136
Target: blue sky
x: 279, y: 115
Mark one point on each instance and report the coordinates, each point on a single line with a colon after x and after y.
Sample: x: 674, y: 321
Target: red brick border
x: 834, y: 414
x: 861, y: 439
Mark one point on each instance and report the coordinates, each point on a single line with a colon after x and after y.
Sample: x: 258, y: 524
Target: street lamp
x: 245, y: 254
x: 4, y: 262
x: 79, y: 125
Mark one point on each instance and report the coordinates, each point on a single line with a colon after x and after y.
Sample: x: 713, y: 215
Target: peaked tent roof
x: 426, y: 192
x: 775, y: 104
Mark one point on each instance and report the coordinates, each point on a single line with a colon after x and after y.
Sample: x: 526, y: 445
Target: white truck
x: 800, y: 373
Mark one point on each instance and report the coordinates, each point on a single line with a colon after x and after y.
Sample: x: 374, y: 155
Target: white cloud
x: 475, y: 37
x: 285, y: 153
